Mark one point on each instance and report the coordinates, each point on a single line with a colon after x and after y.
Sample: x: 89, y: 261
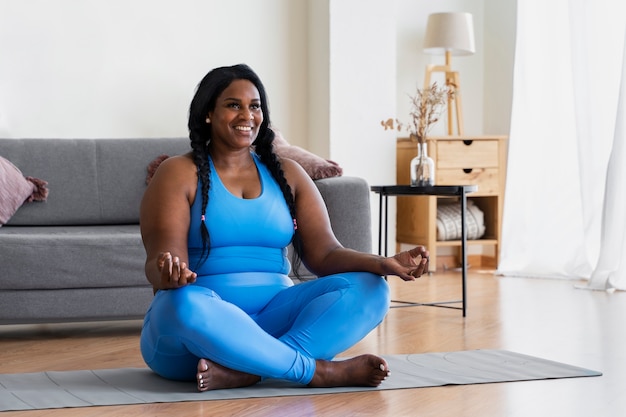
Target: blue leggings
x: 314, y: 320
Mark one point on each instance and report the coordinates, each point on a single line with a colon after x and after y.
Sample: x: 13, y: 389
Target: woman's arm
x: 164, y: 221
x: 322, y: 252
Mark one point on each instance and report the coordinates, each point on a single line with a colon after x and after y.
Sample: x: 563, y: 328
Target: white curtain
x: 610, y: 272
x: 568, y: 65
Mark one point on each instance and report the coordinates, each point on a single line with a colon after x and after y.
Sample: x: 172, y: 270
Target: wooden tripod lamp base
x: 453, y: 83
x: 452, y: 34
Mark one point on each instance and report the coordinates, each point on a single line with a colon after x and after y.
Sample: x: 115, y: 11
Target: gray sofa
x: 78, y: 256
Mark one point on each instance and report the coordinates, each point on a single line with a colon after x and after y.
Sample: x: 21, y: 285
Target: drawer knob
x: 468, y: 142
x: 467, y: 170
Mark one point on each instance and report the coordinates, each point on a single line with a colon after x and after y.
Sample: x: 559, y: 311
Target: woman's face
x: 237, y: 115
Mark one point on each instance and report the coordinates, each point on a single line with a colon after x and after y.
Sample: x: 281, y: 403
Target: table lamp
x: 449, y: 34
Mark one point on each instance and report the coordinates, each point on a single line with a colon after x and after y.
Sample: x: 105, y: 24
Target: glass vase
x: 422, y: 167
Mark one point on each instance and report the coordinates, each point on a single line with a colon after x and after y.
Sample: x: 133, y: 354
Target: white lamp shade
x: 450, y: 32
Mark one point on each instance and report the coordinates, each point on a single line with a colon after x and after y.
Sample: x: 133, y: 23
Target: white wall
x: 499, y: 17
x: 318, y: 138
x: 362, y: 85
x: 128, y: 68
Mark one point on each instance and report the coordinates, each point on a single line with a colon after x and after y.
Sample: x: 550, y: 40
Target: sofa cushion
x: 61, y: 257
x: 91, y: 181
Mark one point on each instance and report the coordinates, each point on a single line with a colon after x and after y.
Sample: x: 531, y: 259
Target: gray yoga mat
x: 60, y: 389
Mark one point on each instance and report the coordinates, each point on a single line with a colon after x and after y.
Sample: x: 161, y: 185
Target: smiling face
x: 237, y: 115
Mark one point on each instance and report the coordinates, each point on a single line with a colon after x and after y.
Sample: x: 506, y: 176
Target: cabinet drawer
x: 487, y: 179
x: 467, y: 154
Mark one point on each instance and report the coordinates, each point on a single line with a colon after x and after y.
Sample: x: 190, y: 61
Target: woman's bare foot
x: 214, y: 376
x: 364, y: 370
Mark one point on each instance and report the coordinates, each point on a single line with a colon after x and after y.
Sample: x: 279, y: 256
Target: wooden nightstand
x: 459, y: 160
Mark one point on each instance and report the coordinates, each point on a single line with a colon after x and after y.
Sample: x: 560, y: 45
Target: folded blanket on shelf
x: 449, y: 221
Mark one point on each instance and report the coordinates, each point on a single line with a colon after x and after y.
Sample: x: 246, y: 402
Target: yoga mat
x: 60, y: 389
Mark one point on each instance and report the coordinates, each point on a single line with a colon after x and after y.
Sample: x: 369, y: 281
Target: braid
x: 265, y: 149
x: 200, y: 157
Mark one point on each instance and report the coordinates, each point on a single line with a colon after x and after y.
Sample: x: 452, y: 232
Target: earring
x: 208, y: 120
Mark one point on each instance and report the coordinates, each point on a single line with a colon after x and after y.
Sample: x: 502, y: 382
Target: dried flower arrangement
x: 427, y: 106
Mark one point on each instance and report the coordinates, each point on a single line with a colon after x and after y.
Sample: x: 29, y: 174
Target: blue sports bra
x: 246, y: 235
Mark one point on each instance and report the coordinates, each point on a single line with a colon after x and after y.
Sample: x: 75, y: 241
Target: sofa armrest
x: 348, y: 203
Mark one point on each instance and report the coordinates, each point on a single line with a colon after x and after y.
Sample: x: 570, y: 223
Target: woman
x: 215, y: 223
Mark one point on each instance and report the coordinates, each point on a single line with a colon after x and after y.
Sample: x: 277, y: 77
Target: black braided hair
x: 203, y: 102
x: 264, y: 147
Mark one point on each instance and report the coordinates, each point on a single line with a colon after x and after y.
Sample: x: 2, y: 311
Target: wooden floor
x: 546, y: 318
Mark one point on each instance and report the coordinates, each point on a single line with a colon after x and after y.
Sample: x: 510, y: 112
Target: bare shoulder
x: 175, y: 174
x: 178, y: 166
x: 294, y: 173
x: 179, y: 161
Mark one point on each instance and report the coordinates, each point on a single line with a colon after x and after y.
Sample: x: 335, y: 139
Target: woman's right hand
x: 174, y: 272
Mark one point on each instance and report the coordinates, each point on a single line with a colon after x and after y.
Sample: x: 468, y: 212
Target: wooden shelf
x: 459, y: 160
x: 455, y: 243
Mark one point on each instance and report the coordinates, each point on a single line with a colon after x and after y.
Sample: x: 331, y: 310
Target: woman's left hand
x: 408, y: 265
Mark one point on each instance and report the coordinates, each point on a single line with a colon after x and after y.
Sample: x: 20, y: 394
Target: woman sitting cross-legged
x: 216, y: 222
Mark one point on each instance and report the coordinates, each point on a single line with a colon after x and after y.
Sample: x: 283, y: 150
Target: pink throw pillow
x: 15, y: 190
x: 316, y: 166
